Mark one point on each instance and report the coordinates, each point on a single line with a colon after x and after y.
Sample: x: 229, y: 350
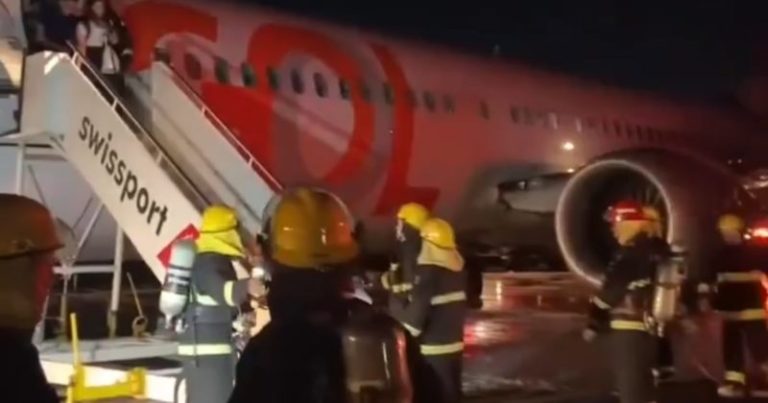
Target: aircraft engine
x: 689, y: 193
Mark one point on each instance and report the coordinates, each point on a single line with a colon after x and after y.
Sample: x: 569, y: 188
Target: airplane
x: 517, y: 158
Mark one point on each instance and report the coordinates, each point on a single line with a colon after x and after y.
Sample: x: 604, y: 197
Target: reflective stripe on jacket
x: 437, y: 308
x: 738, y: 277
x: 625, y: 296
x: 216, y: 296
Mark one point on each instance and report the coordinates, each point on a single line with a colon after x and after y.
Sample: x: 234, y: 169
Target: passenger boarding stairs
x: 155, y: 183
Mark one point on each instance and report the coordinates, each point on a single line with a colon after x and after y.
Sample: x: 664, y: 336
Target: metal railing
x: 162, y: 158
x: 251, y: 160
x: 273, y: 184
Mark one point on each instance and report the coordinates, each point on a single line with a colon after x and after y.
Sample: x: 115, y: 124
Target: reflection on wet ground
x: 523, y: 346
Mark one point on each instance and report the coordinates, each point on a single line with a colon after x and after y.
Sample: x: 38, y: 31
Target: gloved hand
x: 588, y: 334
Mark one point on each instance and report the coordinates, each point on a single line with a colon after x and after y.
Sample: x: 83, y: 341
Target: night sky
x: 699, y: 50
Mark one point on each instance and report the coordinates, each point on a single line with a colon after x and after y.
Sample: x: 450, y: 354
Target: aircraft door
x: 12, y: 45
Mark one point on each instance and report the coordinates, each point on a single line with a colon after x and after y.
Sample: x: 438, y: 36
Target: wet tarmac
x: 523, y: 346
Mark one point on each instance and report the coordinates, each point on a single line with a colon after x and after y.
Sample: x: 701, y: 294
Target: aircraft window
x: 344, y: 89
x: 274, y: 79
x: 296, y: 82
x: 192, y: 67
x: 221, y: 70
x: 592, y: 124
x: 413, y: 98
x: 528, y: 117
x: 162, y: 55
x: 249, y: 76
x: 389, y: 94
x: 429, y: 101
x: 651, y: 134
x: 646, y: 133
x: 365, y: 91
x: 485, y: 112
x: 554, y: 123
x: 321, y: 86
x: 448, y: 104
x: 538, y: 118
x: 516, y: 114
x: 607, y: 127
x: 630, y: 130
x: 617, y: 127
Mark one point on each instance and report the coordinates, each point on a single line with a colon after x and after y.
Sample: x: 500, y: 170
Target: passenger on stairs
x: 215, y: 297
x: 54, y: 25
x: 28, y: 241
x: 101, y: 37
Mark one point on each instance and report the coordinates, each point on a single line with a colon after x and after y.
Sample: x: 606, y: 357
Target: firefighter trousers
x: 474, y: 287
x: 440, y: 378
x: 633, y: 357
x: 666, y: 359
x: 209, y: 378
x: 741, y: 335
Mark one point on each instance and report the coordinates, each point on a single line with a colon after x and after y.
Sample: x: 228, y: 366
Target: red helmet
x: 757, y: 232
x: 626, y: 210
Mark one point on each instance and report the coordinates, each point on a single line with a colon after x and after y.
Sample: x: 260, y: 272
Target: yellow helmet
x: 309, y: 228
x: 730, y: 223
x: 219, y: 218
x: 27, y: 227
x: 439, y: 233
x: 651, y: 213
x: 414, y: 214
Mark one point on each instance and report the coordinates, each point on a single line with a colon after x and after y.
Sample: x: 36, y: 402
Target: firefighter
x: 739, y: 298
x: 216, y: 294
x: 399, y: 279
x: 665, y: 365
x: 435, y: 314
x: 28, y: 241
x: 624, y: 301
x: 322, y: 344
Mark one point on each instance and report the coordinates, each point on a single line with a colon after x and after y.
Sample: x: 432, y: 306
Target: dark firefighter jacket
x: 435, y: 314
x: 22, y: 376
x: 215, y: 297
x: 399, y: 279
x: 298, y: 356
x: 737, y: 279
x: 627, y: 291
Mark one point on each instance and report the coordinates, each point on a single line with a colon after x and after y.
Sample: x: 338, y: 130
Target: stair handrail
x: 76, y: 56
x: 231, y: 138
x: 222, y: 127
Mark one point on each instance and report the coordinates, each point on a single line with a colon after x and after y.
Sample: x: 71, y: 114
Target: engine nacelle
x: 689, y: 193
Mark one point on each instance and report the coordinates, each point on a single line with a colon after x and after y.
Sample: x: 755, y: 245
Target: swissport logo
x: 131, y: 189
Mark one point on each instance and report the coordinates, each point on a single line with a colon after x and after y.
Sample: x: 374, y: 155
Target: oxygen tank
x: 175, y: 292
x: 375, y: 358
x: 666, y: 295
